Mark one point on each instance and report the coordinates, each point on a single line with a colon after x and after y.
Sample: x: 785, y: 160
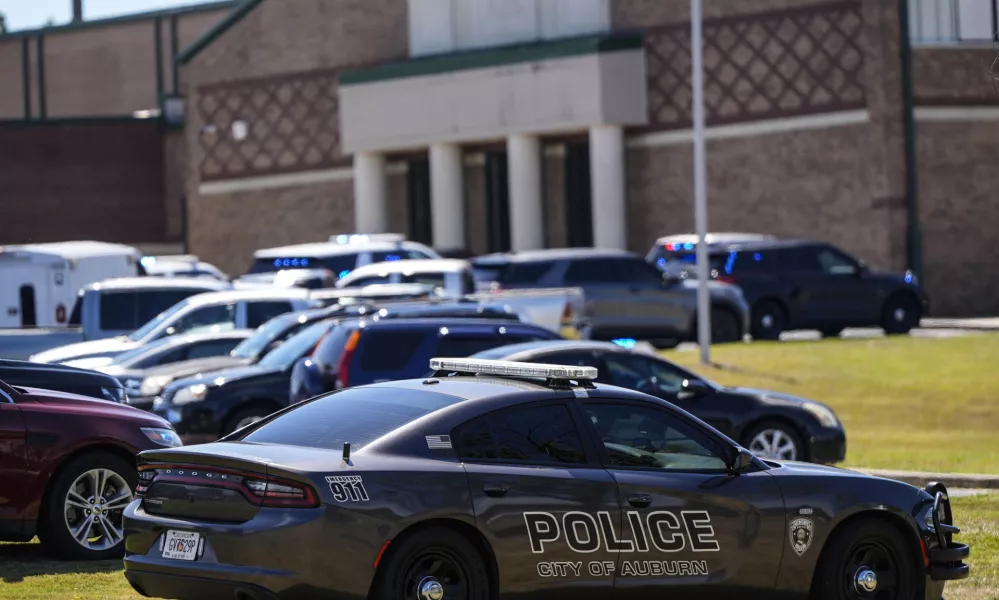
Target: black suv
x: 60, y: 378
x: 813, y: 285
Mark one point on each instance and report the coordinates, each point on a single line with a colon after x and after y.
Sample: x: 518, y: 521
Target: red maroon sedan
x: 67, y: 469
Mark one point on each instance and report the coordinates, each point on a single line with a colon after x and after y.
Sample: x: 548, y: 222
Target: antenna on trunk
x: 346, y: 452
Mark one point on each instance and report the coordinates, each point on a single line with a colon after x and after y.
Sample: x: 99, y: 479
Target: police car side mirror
x: 742, y: 460
x: 693, y: 388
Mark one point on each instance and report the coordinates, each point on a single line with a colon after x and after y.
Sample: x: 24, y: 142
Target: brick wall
x: 275, y: 39
x: 97, y: 69
x: 100, y: 181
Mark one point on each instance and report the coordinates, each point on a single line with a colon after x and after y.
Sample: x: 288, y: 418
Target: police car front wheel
x: 433, y: 564
x: 868, y: 559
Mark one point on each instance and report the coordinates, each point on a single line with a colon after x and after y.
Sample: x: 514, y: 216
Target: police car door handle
x: 640, y: 500
x: 494, y: 490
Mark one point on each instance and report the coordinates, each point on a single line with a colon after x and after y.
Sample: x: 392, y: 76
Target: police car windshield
x: 142, y: 332
x: 285, y: 355
x: 358, y: 415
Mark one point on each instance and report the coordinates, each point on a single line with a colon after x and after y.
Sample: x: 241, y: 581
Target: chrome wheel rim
x: 775, y: 444
x: 93, y: 507
x: 767, y: 321
x: 899, y: 314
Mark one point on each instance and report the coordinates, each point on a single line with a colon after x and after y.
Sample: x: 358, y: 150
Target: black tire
x: 770, y: 429
x: 411, y: 560
x: 872, y: 543
x: 899, y: 315
x: 831, y: 331
x: 57, y: 519
x: 769, y: 321
x: 664, y: 344
x: 243, y: 416
x: 725, y: 327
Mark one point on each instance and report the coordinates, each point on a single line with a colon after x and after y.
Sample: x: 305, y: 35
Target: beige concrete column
x: 447, y: 196
x: 526, y: 212
x: 608, y: 184
x: 370, y: 193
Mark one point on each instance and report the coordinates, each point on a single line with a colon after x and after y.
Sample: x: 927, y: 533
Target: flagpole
x: 700, y: 183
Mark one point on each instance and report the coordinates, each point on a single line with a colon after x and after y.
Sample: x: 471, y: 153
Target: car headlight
x: 825, y: 416
x: 928, y: 518
x: 189, y: 394
x: 152, y: 386
x: 163, y: 437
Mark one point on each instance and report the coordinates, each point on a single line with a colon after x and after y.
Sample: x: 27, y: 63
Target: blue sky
x: 28, y: 14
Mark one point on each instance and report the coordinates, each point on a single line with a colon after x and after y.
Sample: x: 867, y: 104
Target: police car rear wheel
x: 868, y: 560
x: 433, y: 564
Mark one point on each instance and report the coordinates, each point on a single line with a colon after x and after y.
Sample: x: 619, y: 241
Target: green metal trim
x: 26, y: 76
x: 158, y: 57
x: 143, y: 16
x: 242, y: 9
x: 40, y: 51
x: 914, y: 234
x: 494, y: 57
x: 106, y: 120
x: 174, y: 50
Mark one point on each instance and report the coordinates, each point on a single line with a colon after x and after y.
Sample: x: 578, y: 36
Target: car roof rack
x: 557, y: 376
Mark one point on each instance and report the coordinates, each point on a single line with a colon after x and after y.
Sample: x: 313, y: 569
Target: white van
x: 40, y: 282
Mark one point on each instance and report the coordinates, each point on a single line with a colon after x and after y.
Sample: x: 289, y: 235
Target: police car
x: 493, y: 479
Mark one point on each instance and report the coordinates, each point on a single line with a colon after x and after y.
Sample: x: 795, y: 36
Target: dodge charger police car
x: 493, y: 479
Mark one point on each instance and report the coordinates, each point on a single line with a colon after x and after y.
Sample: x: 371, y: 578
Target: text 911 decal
x: 656, y: 531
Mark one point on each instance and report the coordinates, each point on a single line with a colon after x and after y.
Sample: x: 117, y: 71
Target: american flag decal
x: 439, y: 442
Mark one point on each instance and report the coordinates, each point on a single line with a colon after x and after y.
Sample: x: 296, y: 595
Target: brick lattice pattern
x: 764, y: 66
x: 269, y: 126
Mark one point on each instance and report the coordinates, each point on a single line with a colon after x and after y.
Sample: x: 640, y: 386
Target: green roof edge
x: 168, y: 12
x: 494, y: 57
x: 241, y: 10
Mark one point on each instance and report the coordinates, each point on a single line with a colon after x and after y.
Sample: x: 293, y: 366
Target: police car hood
x: 93, y: 349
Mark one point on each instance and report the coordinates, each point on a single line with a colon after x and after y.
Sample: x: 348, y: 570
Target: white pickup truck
x: 555, y: 309
x: 106, y: 309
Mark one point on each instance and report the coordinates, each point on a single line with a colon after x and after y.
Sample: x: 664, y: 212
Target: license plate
x: 181, y: 545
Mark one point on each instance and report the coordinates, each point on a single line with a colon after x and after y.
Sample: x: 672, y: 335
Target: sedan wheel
x: 93, y: 507
x: 869, y: 559
x: 774, y: 442
x: 82, y: 518
x: 435, y: 564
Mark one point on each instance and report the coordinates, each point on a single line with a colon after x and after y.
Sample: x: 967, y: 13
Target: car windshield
x: 139, y: 334
x: 142, y: 351
x: 255, y: 346
x: 358, y: 415
x: 285, y: 355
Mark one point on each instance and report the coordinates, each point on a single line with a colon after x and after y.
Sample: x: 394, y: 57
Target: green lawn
x: 26, y: 575
x: 906, y: 403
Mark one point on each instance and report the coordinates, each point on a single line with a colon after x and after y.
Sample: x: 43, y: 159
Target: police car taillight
x: 275, y: 493
x: 475, y: 366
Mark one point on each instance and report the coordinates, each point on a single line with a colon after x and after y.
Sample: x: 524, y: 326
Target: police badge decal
x: 801, y: 531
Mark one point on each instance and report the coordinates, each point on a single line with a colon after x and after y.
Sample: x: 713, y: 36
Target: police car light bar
x: 367, y: 238
x: 512, y: 369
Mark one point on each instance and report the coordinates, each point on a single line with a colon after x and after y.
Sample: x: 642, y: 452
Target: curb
x: 965, y: 324
x: 951, y: 480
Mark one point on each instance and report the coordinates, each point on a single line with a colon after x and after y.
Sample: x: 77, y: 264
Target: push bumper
x: 945, y: 558
x: 827, y: 447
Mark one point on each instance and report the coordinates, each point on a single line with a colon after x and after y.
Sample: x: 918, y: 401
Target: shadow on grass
x: 759, y: 374
x: 18, y: 561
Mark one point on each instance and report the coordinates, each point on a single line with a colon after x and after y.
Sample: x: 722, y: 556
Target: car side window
x: 525, y: 273
x: 154, y: 302
x: 363, y: 281
x: 383, y: 351
x: 118, y: 311
x: 212, y: 348
x: 222, y: 317
x: 165, y: 359
x: 643, y: 374
x: 535, y: 435
x: 802, y: 260
x: 592, y: 271
x: 836, y: 263
x: 639, y: 436
x: 636, y: 271
x: 569, y: 359
x: 258, y: 313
